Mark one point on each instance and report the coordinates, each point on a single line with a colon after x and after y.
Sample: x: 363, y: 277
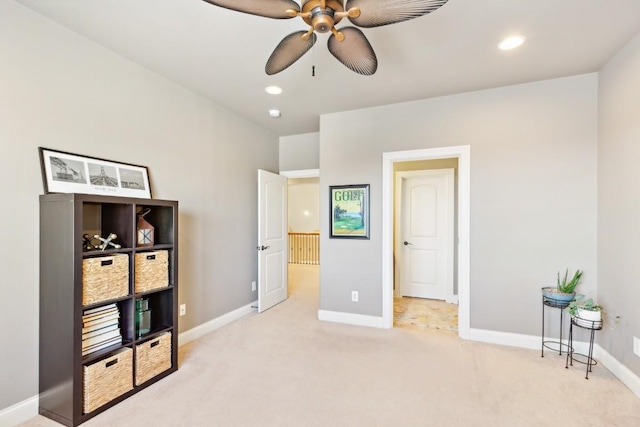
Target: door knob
x: 263, y: 248
x: 407, y: 243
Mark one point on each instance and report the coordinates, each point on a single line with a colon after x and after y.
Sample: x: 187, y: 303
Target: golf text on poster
x: 350, y: 211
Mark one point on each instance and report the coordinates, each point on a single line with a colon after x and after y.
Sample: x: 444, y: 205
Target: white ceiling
x: 220, y: 54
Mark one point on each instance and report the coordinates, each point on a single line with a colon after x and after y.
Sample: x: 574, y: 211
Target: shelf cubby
x: 69, y: 273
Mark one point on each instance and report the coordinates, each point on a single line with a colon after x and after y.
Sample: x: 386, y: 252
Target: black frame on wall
x: 349, y: 211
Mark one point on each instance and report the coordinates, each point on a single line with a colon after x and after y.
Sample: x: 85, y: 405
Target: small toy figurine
x: 107, y: 242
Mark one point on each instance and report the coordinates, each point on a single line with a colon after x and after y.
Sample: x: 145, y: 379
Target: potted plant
x: 585, y: 313
x: 565, y: 290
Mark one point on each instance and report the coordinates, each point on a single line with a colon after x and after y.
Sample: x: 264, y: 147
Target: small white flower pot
x: 587, y: 317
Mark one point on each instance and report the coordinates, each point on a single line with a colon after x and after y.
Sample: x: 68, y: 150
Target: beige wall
x: 533, y: 198
x: 303, y: 205
x: 619, y: 203
x: 299, y: 152
x: 60, y: 91
x: 533, y: 180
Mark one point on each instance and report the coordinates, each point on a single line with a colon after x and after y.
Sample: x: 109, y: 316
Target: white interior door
x: 425, y: 235
x: 272, y: 239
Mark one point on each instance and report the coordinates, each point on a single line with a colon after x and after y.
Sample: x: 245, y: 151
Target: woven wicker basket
x: 151, y: 270
x: 104, y: 278
x: 153, y: 357
x: 107, y: 379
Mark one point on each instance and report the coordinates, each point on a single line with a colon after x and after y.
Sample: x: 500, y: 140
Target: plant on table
x: 566, y: 286
x: 585, y: 310
x: 565, y: 289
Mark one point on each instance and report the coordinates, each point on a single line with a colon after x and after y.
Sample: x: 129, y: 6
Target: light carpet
x: 285, y: 368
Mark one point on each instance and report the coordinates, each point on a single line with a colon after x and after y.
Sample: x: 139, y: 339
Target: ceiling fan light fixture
x: 348, y: 45
x: 511, y: 42
x: 273, y: 90
x: 275, y: 113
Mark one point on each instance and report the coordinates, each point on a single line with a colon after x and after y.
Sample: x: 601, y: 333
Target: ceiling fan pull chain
x: 313, y: 60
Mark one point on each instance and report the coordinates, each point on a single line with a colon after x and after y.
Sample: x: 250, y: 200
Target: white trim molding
x: 351, y: 319
x: 20, y: 412
x: 23, y: 411
x: 217, y: 323
x: 621, y: 372
x: 624, y: 374
x: 462, y: 153
x: 304, y: 173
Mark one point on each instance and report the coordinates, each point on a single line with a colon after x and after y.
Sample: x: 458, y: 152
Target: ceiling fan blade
x: 267, y: 8
x: 355, y: 51
x: 288, y: 51
x: 375, y: 13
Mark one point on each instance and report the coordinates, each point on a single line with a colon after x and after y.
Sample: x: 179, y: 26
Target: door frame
x: 303, y: 173
x: 462, y: 153
x: 399, y: 195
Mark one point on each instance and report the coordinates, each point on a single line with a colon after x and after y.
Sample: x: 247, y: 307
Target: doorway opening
x: 304, y: 223
x: 303, y: 230
x: 461, y: 237
x: 425, y: 278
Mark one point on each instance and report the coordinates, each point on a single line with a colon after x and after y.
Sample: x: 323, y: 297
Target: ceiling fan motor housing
x: 322, y: 20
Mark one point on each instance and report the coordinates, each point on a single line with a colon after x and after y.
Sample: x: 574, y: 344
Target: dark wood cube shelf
x: 68, y: 328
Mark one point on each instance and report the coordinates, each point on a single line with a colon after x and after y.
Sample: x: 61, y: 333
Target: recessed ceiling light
x: 511, y: 42
x: 274, y: 113
x: 273, y: 90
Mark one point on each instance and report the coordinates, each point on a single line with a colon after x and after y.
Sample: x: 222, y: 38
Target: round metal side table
x: 554, y: 344
x: 592, y: 326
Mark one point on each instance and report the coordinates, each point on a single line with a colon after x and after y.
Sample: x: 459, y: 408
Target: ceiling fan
x: 349, y: 44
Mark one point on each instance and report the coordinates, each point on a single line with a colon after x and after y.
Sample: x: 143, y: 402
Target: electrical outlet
x: 183, y: 309
x: 354, y: 296
x: 253, y: 286
x: 636, y: 346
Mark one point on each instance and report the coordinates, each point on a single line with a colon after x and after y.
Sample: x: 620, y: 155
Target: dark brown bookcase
x: 64, y: 219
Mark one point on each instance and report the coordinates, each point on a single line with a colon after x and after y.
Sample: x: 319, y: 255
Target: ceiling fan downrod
x: 323, y: 15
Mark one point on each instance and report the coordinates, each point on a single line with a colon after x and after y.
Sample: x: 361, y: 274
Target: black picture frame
x: 349, y: 211
x: 64, y: 172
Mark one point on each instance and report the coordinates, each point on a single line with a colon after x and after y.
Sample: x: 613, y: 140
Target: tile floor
x: 425, y: 313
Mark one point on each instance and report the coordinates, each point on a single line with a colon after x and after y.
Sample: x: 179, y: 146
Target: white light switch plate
x: 636, y: 346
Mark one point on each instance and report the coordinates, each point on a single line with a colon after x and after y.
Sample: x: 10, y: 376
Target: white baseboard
x: 624, y: 374
x: 351, y: 319
x: 217, y: 323
x: 505, y: 338
x: 20, y: 412
x: 531, y: 342
x: 23, y: 411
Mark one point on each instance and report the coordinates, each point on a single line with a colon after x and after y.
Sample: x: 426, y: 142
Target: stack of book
x: 100, y: 328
